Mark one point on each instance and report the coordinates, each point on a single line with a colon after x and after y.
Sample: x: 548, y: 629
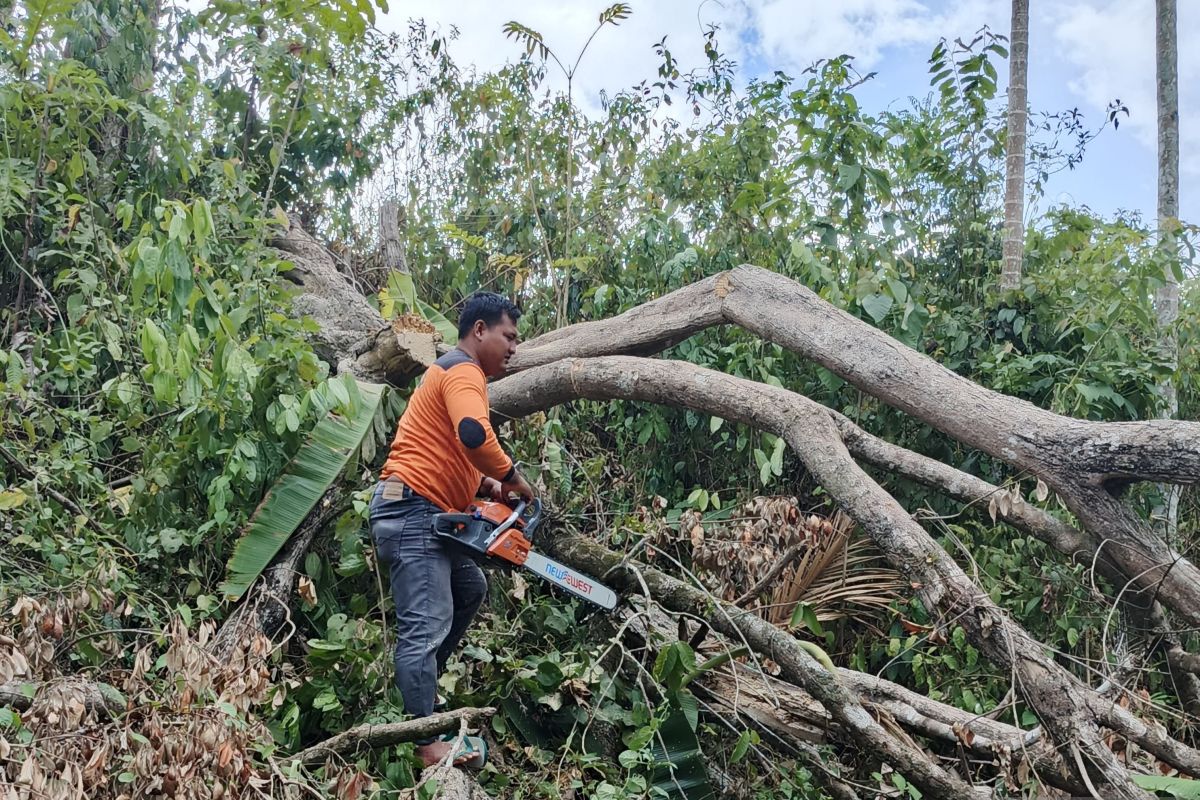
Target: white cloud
x: 1083, y: 52
x: 617, y: 58
x: 796, y: 33
x: 1110, y: 44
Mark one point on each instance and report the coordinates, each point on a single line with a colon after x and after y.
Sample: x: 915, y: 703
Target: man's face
x: 495, y: 345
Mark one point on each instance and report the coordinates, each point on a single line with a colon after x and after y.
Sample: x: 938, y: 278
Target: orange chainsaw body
x: 491, y: 529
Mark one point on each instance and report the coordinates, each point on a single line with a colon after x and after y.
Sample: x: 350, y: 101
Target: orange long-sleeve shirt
x: 445, y: 444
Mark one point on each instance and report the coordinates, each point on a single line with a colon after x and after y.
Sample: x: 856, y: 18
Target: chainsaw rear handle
x: 448, y: 521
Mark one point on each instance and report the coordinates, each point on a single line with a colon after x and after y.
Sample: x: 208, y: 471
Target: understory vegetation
x: 155, y: 383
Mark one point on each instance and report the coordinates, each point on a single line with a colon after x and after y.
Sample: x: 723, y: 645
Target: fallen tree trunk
x: 369, y: 737
x: 1069, y: 710
x: 1086, y: 463
x: 352, y: 336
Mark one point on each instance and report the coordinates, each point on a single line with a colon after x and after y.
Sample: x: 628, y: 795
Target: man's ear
x: 480, y: 328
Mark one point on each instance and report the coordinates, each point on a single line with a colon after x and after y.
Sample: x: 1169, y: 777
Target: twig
x: 384, y: 735
x: 56, y: 495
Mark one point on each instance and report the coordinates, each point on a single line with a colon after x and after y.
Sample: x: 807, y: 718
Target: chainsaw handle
x: 533, y: 518
x: 448, y: 522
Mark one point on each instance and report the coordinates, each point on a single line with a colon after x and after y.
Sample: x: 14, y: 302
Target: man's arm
x: 465, y: 393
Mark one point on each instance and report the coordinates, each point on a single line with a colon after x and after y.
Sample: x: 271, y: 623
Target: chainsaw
x: 493, y: 532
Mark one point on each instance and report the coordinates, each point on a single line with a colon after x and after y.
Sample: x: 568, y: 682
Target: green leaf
x: 877, y: 305
x: 848, y: 175
x: 1181, y: 788
x: 315, y: 467
x: 689, y: 707
x: 679, y: 769
x: 12, y: 498
x: 742, y: 747
x: 401, y: 288
x: 155, y: 348
x: 444, y: 326
x: 673, y: 664
x: 804, y: 613
x: 777, y: 457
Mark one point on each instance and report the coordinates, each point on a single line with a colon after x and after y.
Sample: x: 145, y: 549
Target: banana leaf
x: 320, y: 460
x: 1181, y: 788
x: 678, y: 761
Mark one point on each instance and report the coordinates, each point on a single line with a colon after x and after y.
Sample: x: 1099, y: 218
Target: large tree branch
x: 955, y: 483
x: 1086, y: 463
x: 1062, y: 703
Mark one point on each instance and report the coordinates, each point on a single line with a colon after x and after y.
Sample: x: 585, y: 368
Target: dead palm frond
x: 836, y: 574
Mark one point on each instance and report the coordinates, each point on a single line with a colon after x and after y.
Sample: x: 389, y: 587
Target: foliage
x: 331, y: 445
x: 155, y: 378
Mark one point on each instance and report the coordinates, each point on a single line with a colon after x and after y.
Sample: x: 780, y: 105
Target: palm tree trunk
x: 1166, y: 300
x: 1014, y: 182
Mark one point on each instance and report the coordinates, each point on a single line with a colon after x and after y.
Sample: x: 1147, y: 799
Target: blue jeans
x: 437, y: 589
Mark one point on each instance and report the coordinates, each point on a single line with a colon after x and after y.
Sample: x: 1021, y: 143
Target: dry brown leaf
x: 307, y: 591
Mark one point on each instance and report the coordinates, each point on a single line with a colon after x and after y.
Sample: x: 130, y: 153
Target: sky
x: 1082, y: 54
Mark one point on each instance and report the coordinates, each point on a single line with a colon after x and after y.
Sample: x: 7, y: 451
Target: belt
x: 396, y: 489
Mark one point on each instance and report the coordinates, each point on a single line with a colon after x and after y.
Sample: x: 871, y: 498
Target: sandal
x: 472, y: 751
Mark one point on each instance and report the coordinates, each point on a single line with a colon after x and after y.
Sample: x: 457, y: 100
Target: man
x: 444, y: 454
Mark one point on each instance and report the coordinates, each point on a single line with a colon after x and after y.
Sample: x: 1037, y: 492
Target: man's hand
x: 518, y: 486
x: 491, y: 489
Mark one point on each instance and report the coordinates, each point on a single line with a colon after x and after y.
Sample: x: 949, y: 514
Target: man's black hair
x: 487, y: 306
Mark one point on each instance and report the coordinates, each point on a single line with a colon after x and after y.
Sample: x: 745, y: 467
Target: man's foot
x: 471, y: 752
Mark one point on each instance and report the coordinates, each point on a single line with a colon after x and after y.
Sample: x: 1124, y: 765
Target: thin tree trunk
x: 1166, y: 300
x: 389, y: 237
x: 1014, y: 181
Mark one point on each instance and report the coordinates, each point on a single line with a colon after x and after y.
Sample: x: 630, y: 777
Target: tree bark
x: 1166, y: 299
x: 390, y: 247
x: 1070, y: 711
x: 352, y: 336
x: 1087, y: 463
x: 1014, y: 147
x: 367, y: 737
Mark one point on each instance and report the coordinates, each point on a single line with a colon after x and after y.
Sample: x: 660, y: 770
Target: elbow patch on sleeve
x: 471, y: 433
